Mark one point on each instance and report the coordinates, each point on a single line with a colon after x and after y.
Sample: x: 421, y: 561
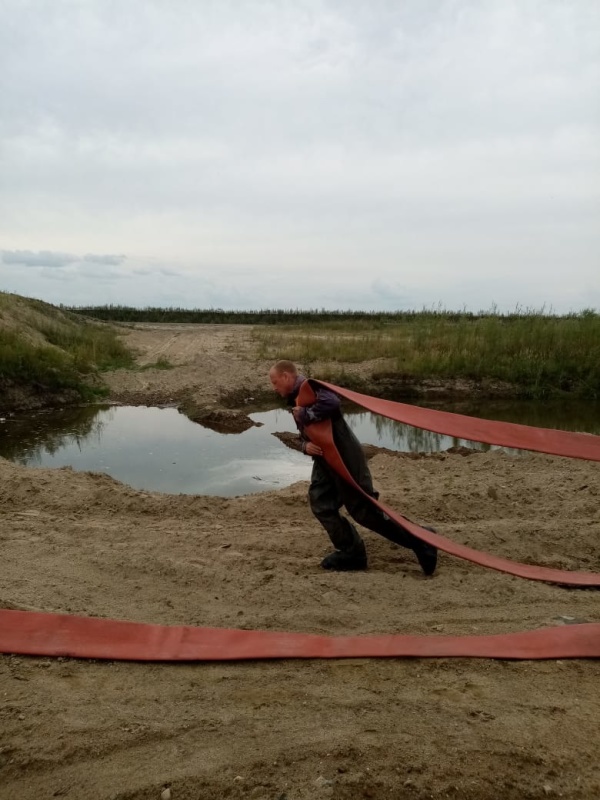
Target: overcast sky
x: 381, y: 154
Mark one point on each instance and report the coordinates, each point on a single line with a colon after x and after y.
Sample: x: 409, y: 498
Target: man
x: 328, y: 492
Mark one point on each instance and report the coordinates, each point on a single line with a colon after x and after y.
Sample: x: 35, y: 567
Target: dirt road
x: 285, y: 730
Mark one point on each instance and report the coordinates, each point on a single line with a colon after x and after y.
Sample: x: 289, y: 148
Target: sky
x: 336, y: 154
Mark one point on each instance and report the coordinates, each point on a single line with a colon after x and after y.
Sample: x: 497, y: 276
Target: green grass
x: 23, y: 363
x: 89, y: 347
x: 68, y: 354
x: 540, y: 355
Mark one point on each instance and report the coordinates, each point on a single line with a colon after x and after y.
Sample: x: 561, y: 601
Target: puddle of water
x: 160, y: 449
x: 156, y: 449
x: 373, y: 429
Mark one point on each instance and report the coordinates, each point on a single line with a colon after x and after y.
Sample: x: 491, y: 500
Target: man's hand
x: 312, y: 449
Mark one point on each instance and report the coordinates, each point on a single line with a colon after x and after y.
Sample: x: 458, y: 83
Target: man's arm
x: 326, y: 406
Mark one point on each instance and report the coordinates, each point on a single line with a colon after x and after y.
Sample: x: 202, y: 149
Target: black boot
x: 426, y: 554
x: 346, y: 560
x: 350, y: 552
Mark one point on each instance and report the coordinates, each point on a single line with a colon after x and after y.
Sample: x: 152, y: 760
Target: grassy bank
x: 540, y: 355
x: 45, y: 350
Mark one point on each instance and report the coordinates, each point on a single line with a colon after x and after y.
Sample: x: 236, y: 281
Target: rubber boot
x: 353, y: 556
x: 426, y: 554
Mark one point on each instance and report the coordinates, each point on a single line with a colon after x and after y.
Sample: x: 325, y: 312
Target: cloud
x: 286, y: 150
x: 43, y: 258
x: 109, y: 260
x: 47, y: 258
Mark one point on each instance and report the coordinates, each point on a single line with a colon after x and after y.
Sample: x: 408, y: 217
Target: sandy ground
x: 293, y: 730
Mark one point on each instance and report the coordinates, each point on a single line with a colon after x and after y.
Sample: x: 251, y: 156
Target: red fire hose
x: 575, y: 445
x: 38, y: 633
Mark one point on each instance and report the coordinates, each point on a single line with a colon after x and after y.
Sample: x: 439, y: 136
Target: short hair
x: 285, y: 366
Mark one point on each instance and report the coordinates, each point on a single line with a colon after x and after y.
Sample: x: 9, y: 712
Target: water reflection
x: 27, y: 440
x: 377, y: 430
x: 159, y: 449
x: 373, y: 429
x: 156, y: 449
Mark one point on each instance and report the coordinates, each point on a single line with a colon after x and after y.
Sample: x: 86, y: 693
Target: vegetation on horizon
x: 539, y: 353
x: 218, y: 316
x: 295, y: 316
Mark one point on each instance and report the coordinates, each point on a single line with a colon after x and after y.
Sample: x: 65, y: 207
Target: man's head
x: 283, y: 376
